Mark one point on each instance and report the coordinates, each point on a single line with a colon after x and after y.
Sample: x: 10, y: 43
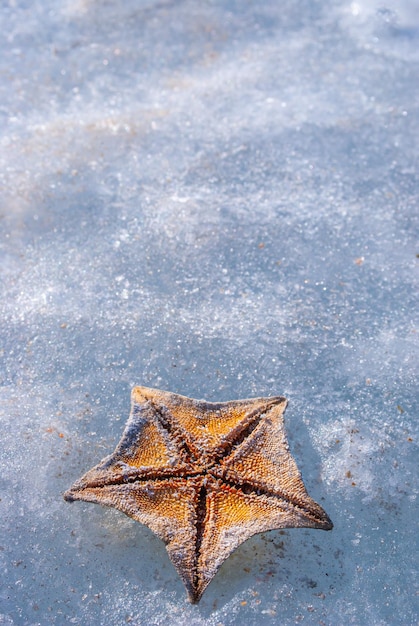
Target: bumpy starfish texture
x: 204, y: 477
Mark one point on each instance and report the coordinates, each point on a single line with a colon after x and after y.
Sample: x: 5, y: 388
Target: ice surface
x: 219, y: 199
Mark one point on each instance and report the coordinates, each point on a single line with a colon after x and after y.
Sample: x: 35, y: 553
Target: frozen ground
x: 219, y: 199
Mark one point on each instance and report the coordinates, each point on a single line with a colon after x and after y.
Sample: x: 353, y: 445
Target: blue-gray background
x: 220, y: 199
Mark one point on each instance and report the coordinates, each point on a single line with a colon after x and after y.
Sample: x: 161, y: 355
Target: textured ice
x: 219, y: 199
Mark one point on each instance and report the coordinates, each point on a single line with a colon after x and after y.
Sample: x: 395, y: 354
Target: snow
x: 217, y: 199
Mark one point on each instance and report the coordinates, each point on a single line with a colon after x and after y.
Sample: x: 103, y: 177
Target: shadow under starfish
x: 204, y: 477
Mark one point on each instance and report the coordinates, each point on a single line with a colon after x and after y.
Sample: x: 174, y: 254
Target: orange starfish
x: 204, y: 477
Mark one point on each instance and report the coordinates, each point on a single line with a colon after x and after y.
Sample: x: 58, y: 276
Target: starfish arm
x: 167, y: 507
x: 146, y: 440
x: 262, y: 463
x: 145, y: 450
x: 232, y: 517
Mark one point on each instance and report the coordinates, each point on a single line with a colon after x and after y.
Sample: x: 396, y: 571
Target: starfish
x: 204, y: 477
